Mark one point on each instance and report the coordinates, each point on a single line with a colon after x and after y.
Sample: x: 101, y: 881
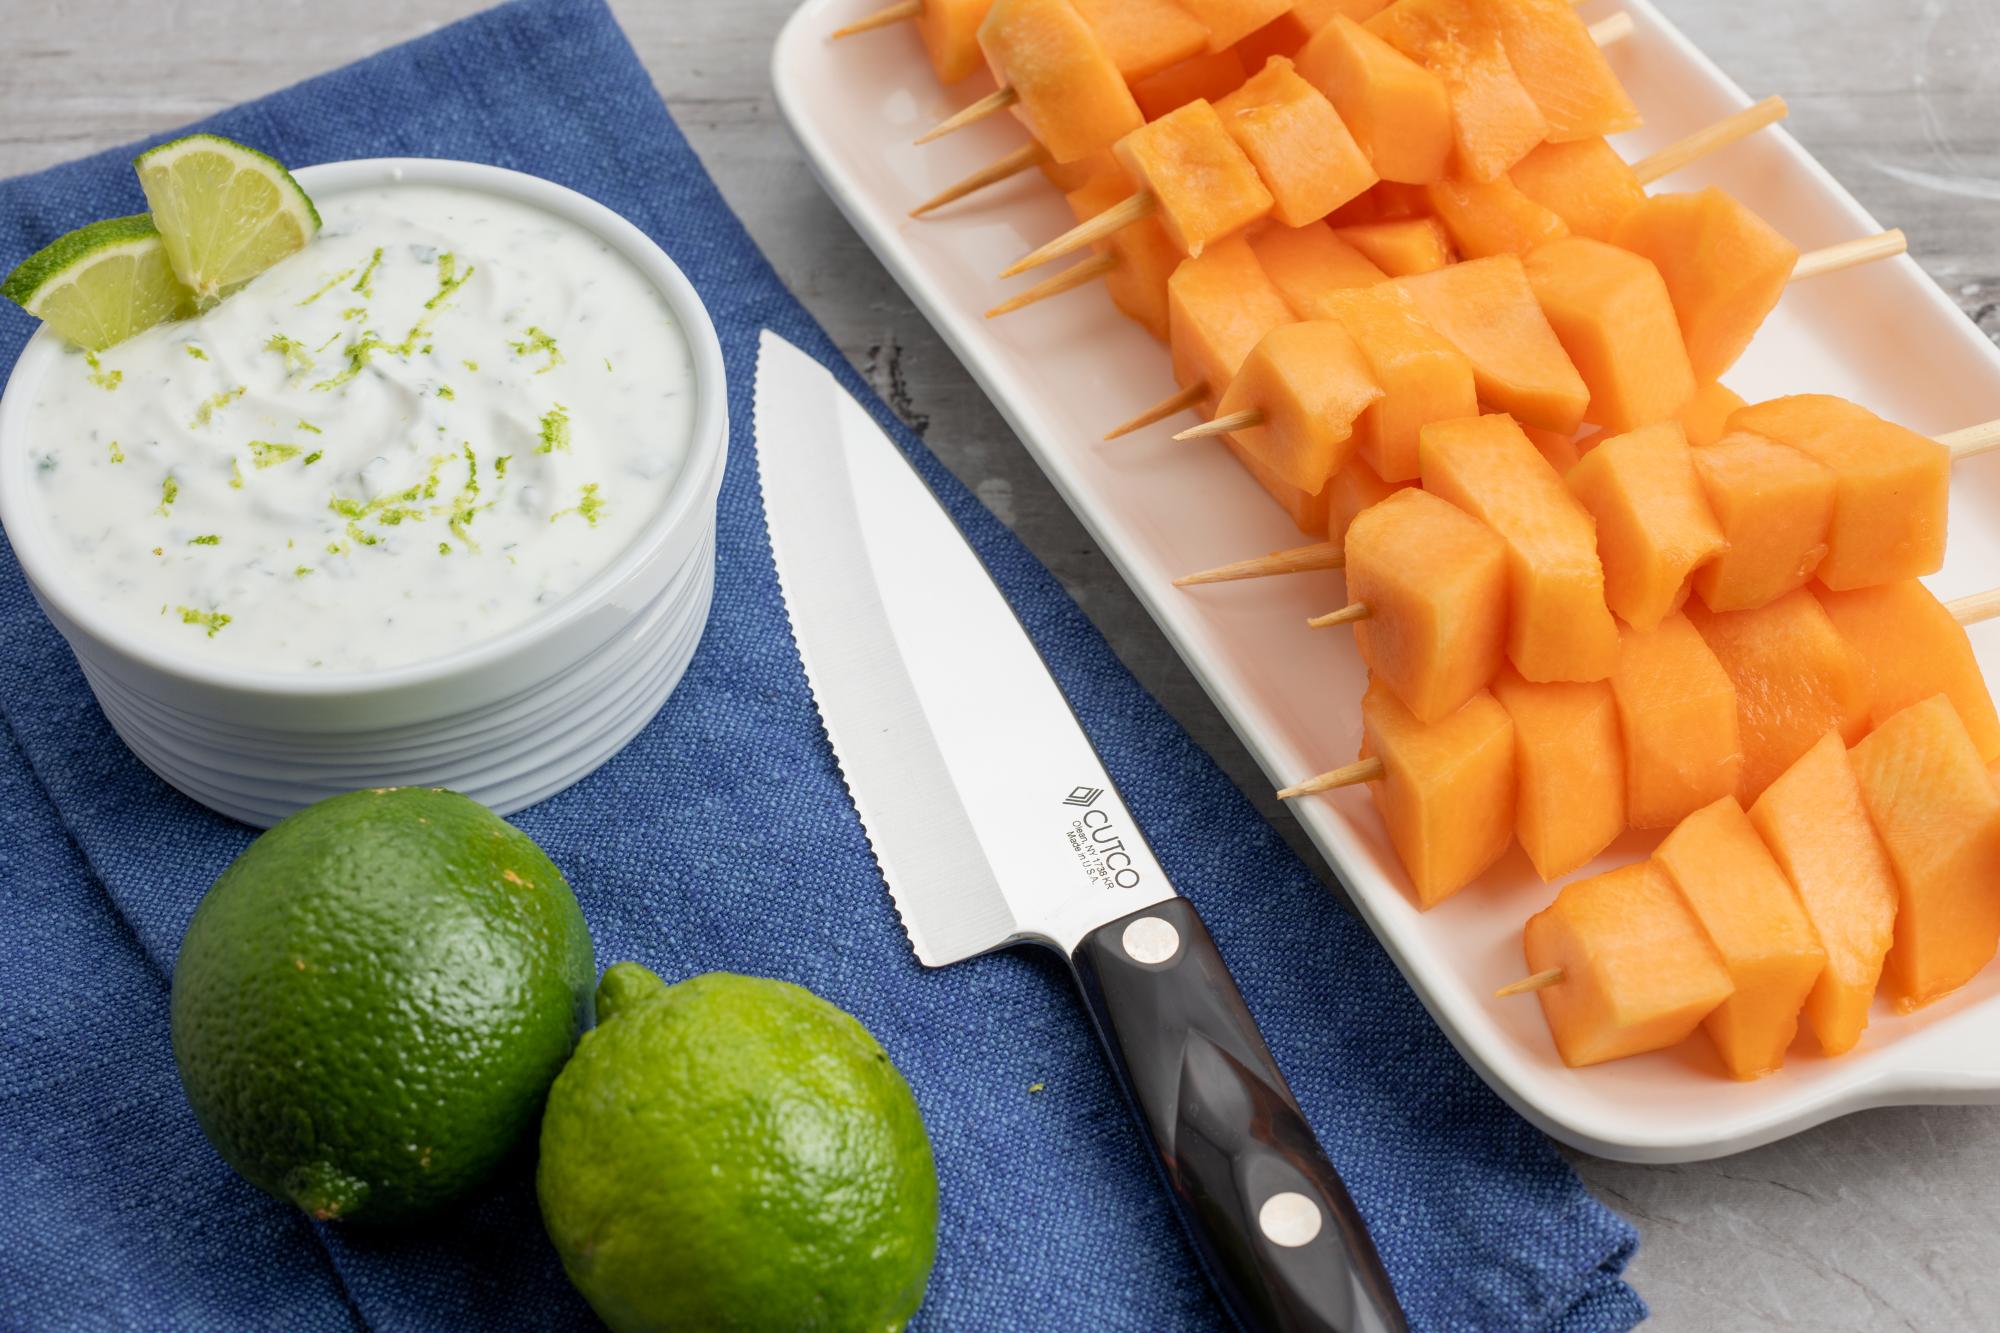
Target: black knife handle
x: 1268, y: 1214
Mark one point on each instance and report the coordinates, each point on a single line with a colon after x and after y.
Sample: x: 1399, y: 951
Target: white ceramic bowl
x: 508, y: 720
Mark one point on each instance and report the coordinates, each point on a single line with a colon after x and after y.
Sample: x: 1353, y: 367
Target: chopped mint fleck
x: 449, y: 279
x: 117, y: 454
x: 206, y: 412
x: 106, y: 380
x: 206, y: 539
x: 539, y: 343
x: 368, y: 274
x: 444, y: 392
x: 212, y: 621
x: 331, y: 283
x: 590, y: 508
x: 308, y: 426
x: 555, y: 430
x: 266, y: 454
x: 297, y: 358
x: 170, y: 491
x: 194, y: 351
x: 313, y: 457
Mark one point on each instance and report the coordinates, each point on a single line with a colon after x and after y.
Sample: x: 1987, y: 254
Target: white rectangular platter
x: 1063, y: 371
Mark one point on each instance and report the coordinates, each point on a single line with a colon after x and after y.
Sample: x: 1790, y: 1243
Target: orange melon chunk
x: 1773, y: 504
x: 1307, y: 509
x: 949, y: 30
x: 1349, y: 494
x: 1207, y: 77
x: 1098, y: 168
x: 1560, y: 447
x: 1653, y: 524
x: 1423, y: 377
x: 1562, y: 67
x: 1796, y: 679
x: 1295, y: 139
x: 1435, y: 582
x: 1069, y: 93
x: 1218, y: 307
x: 1911, y: 649
x: 1287, y: 33
x: 1230, y: 21
x: 1310, y: 265
x: 1310, y: 382
x: 1936, y: 811
x: 1491, y: 217
x: 1205, y: 187
x: 1677, y: 713
x: 1487, y: 309
x: 1143, y: 37
x: 1706, y: 416
x: 1569, y: 769
x: 1638, y: 971
x: 1724, y: 266
x: 1397, y: 110
x: 1890, y: 486
x: 1146, y: 257
x: 1558, y: 625
x: 1585, y: 183
x: 1447, y: 791
x: 1403, y: 246
x: 1813, y: 820
x: 1610, y: 311
x: 1494, y: 121
x: 1753, y: 918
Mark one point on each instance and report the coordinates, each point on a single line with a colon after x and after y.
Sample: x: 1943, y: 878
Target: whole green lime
x: 736, y: 1153
x: 371, y: 1002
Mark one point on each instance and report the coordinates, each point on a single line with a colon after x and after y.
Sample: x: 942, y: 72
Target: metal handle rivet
x: 1289, y: 1219
x: 1151, y: 940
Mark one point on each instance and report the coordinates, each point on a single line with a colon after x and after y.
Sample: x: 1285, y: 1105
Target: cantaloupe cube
x: 1487, y: 309
x: 1706, y: 416
x: 1398, y: 111
x: 1585, y: 183
x: 1890, y: 486
x: 1310, y: 264
x: 1491, y: 217
x: 1796, y: 679
x: 1494, y: 121
x: 1099, y: 168
x: 1755, y: 921
x: 1230, y: 21
x: 1287, y: 33
x: 1911, y: 649
x: 1435, y: 583
x: 1558, y: 446
x: 1935, y: 808
x: 1143, y: 37
x: 1559, y: 627
x: 1310, y: 382
x: 1638, y: 971
x: 1401, y: 246
x: 1569, y: 769
x: 1351, y: 491
x: 1814, y: 822
x: 1609, y: 309
x: 1447, y: 791
x: 1307, y: 509
x: 1773, y: 504
x: 1295, y: 139
x: 1677, y: 714
x: 1218, y: 306
x: 1146, y: 258
x: 949, y: 30
x: 1560, y: 64
x: 1069, y: 93
x: 1208, y: 77
x: 1423, y: 377
x: 1654, y: 527
x: 1206, y: 189
x: 1724, y: 266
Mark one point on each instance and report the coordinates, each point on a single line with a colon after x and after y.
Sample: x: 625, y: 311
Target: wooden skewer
x: 881, y: 18
x: 1353, y: 775
x: 1709, y: 139
x: 1539, y: 981
x: 1976, y: 607
x: 1076, y: 275
x: 1174, y: 403
x: 1222, y: 425
x: 1615, y: 28
x: 1850, y: 254
x: 1132, y: 208
x: 1346, y: 615
x: 992, y: 104
x: 1028, y: 155
x: 1297, y: 560
x: 1972, y: 440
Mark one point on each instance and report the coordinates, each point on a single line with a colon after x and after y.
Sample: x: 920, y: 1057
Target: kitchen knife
x: 995, y: 823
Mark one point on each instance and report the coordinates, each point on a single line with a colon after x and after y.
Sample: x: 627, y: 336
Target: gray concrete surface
x: 1889, y: 1219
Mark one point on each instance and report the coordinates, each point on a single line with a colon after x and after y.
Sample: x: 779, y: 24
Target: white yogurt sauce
x: 440, y: 418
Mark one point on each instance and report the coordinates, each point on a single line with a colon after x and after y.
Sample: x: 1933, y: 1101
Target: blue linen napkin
x: 721, y: 838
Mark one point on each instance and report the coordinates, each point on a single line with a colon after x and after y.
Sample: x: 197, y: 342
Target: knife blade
x: 994, y: 823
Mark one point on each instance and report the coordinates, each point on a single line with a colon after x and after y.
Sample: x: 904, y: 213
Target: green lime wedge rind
x: 226, y: 212
x: 100, y: 284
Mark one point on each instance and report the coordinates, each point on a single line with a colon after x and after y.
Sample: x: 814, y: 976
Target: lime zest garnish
x: 354, y: 312
x: 297, y: 358
x: 449, y: 279
x: 194, y: 351
x: 607, y: 366
x: 308, y: 426
x: 361, y: 284
x: 555, y: 431
x: 170, y: 491
x: 444, y: 548
x: 444, y: 392
x: 539, y: 342
x: 117, y: 454
x: 590, y: 508
x: 313, y: 457
x: 265, y: 453
x: 301, y: 571
x: 235, y: 475
x: 328, y: 343
x: 98, y: 285
x: 206, y: 412
x: 328, y: 286
x: 206, y: 539
x: 212, y: 621
x: 472, y: 366
x: 500, y: 464
x: 106, y: 380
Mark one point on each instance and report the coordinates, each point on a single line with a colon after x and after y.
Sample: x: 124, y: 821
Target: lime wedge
x: 101, y: 284
x: 226, y: 212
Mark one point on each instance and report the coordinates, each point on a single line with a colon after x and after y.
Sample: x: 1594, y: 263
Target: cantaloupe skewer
x: 1028, y: 156
x: 881, y: 18
x: 948, y: 28
x: 1711, y: 138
